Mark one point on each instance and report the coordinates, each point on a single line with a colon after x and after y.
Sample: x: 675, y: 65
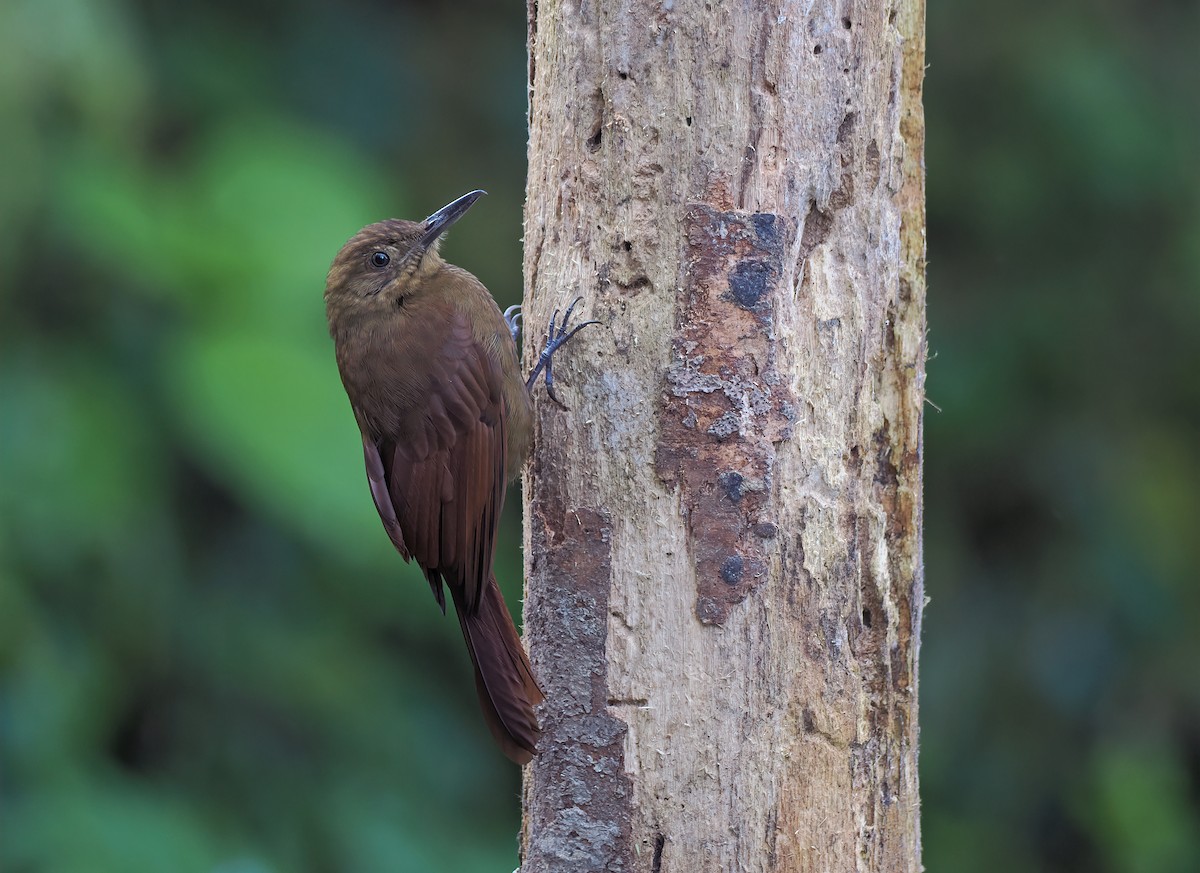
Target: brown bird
x: 431, y: 369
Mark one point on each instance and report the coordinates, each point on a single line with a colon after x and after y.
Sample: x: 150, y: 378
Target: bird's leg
x: 556, y: 338
x: 512, y: 316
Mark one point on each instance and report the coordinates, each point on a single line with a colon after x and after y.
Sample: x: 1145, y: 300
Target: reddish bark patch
x: 725, y: 405
x: 580, y: 811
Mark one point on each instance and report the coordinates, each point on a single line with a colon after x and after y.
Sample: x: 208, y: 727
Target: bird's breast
x: 385, y: 364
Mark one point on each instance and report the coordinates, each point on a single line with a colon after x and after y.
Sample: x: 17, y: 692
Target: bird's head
x: 386, y: 261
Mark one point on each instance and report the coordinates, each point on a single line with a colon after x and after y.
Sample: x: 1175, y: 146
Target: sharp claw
x: 570, y: 310
x: 556, y: 337
x: 550, y: 384
x: 512, y: 317
x: 577, y: 328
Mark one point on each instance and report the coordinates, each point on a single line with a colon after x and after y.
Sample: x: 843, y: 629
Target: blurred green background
x: 210, y: 657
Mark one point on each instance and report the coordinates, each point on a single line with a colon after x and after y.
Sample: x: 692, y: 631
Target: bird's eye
x: 380, y: 259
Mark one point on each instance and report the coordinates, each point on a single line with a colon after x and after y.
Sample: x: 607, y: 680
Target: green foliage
x: 212, y: 658
x: 1060, y: 713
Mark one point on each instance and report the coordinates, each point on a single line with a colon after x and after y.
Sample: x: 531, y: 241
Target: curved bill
x: 440, y: 221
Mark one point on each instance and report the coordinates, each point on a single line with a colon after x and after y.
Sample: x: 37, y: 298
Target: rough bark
x: 723, y: 544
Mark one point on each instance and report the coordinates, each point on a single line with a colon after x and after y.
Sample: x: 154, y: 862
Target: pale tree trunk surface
x: 723, y: 544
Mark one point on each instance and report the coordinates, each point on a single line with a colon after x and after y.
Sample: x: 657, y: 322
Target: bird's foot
x: 512, y: 317
x: 556, y: 338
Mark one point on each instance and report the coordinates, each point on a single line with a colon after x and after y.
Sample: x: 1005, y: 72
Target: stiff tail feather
x: 503, y: 676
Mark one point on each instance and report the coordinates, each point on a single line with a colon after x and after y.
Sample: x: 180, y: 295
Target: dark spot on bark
x: 593, y: 141
x: 688, y: 120
x: 817, y: 49
x: 622, y: 75
x: 866, y: 618
x: 731, y: 570
x: 660, y: 843
x: 846, y: 23
x: 627, y: 245
x: 709, y: 611
x: 732, y: 482
x: 809, y: 720
x: 828, y: 326
x: 634, y: 286
x: 901, y: 677
x: 817, y: 225
x: 765, y: 530
x: 847, y: 126
x: 872, y: 163
x: 748, y: 283
x: 844, y: 193
x: 855, y: 459
x: 886, y: 473
x: 767, y: 226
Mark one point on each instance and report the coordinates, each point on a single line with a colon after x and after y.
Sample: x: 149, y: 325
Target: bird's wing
x: 383, y: 499
x: 440, y: 488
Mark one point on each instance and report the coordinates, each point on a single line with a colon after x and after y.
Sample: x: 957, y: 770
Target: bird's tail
x: 503, y: 676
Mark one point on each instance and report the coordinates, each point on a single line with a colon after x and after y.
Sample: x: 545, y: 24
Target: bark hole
x: 660, y: 843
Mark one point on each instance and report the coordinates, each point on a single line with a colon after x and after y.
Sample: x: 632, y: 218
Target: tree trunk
x: 722, y: 535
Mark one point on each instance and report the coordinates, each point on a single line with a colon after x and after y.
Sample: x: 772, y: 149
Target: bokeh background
x: 210, y: 657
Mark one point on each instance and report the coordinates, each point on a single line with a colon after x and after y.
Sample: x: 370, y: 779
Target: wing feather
x: 445, y: 474
x: 438, y: 479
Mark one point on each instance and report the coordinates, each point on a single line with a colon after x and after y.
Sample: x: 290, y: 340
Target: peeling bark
x: 723, y: 532
x: 726, y: 404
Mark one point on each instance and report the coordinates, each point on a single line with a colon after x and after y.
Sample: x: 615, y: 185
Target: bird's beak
x: 440, y: 221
